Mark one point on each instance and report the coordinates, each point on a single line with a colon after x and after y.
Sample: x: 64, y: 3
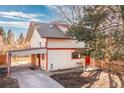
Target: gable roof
x: 46, y: 31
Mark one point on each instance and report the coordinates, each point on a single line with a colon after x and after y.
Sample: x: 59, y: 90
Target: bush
x: 3, y: 71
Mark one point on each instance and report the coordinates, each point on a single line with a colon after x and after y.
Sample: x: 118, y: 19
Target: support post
x: 93, y: 62
x: 84, y: 68
x: 8, y: 61
x: 102, y: 64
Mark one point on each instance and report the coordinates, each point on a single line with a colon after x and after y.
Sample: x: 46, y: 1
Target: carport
x: 22, y: 52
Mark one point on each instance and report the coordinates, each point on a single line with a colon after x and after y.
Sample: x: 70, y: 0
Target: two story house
x: 61, y: 50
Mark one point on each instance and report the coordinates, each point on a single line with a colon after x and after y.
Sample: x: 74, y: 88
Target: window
x: 43, y: 56
x: 76, y: 55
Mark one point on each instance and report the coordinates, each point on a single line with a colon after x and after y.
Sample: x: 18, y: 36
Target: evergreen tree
x: 101, y: 29
x: 10, y: 37
x: 2, y: 41
x: 2, y: 33
x: 21, y: 39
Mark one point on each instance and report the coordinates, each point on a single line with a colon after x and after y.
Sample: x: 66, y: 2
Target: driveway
x: 28, y: 78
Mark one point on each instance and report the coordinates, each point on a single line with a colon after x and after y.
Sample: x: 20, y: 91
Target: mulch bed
x: 6, y: 82
x: 78, y: 79
x: 72, y: 79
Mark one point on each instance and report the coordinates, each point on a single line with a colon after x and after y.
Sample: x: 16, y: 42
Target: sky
x: 17, y: 18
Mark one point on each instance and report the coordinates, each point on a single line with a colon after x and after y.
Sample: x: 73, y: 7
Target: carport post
x: 8, y: 60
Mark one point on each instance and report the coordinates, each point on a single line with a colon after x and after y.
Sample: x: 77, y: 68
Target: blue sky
x: 17, y: 18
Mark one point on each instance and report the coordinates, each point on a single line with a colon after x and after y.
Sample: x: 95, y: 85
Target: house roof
x: 46, y: 30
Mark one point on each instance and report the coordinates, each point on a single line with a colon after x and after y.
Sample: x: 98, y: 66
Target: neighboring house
x: 61, y: 50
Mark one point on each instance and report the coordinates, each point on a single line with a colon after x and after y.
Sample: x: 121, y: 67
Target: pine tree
x: 2, y: 33
x: 10, y: 37
x: 3, y: 45
x: 101, y: 29
x: 21, y: 39
x: 2, y: 37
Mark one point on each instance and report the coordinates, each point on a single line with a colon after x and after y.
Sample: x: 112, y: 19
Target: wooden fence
x: 113, y: 66
x: 2, y: 60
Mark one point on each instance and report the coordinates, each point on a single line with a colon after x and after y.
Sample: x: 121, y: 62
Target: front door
x: 87, y: 60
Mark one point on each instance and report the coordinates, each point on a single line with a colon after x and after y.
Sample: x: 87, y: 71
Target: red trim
x: 46, y: 56
x: 57, y: 37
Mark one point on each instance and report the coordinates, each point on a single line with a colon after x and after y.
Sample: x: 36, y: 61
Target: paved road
x: 33, y: 78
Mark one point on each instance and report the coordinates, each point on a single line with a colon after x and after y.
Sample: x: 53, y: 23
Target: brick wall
x: 2, y: 60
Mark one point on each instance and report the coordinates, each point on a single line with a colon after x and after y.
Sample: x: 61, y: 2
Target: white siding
x: 61, y: 59
x: 35, y: 43
x: 36, y: 39
x: 65, y: 43
x: 43, y: 63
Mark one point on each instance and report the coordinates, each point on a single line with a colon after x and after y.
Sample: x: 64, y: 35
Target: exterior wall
x: 61, y: 59
x: 35, y: 43
x: 2, y: 60
x: 36, y: 40
x: 65, y: 43
x: 43, y: 62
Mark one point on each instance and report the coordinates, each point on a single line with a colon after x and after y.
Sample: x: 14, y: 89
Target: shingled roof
x: 46, y: 30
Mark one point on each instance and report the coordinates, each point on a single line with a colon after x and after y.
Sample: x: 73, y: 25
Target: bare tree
x: 103, y: 22
x: 71, y: 14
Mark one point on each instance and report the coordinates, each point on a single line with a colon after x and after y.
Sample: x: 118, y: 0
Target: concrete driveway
x: 28, y: 78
